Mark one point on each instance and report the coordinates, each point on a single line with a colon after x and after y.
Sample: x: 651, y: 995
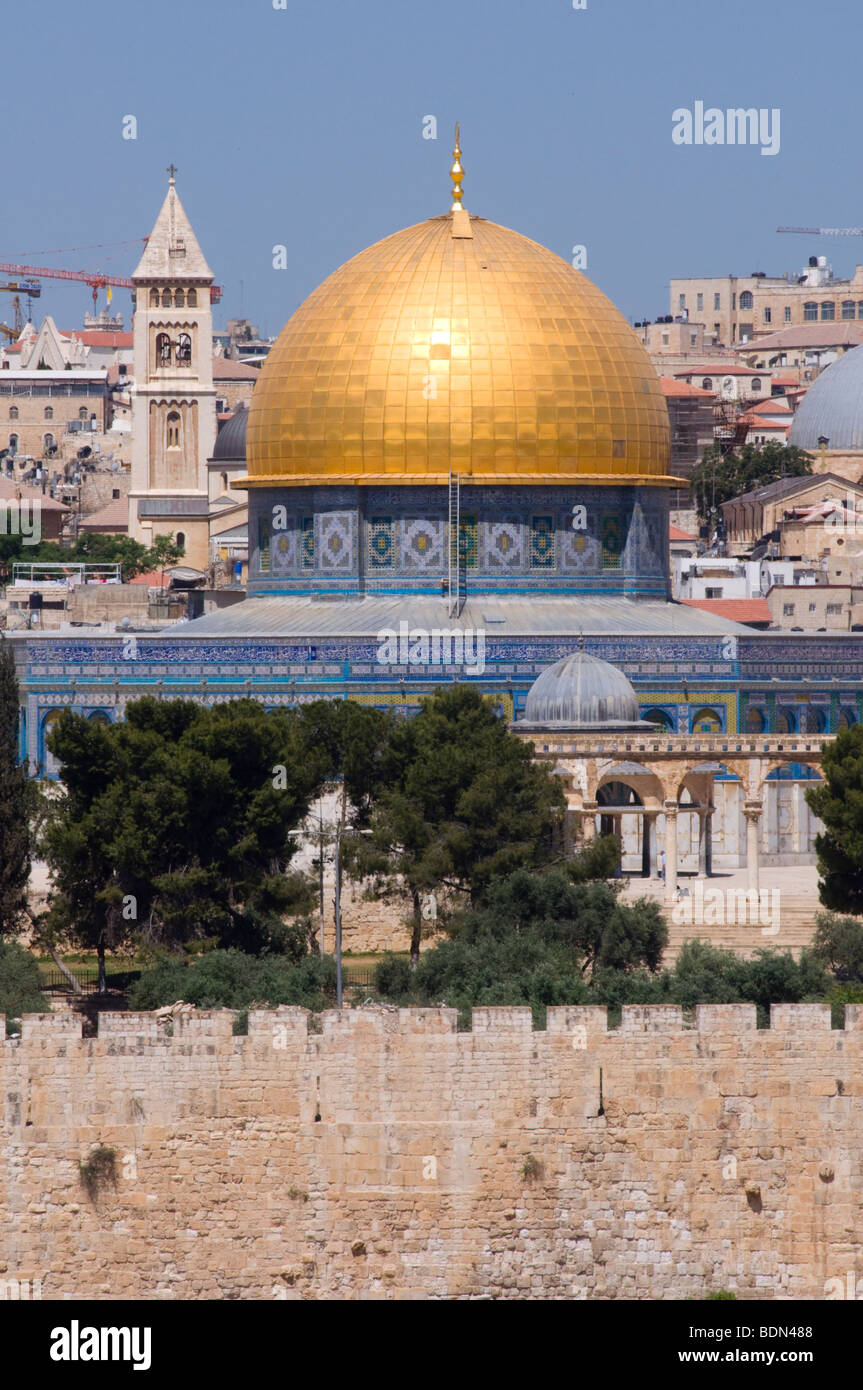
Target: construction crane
x: 823, y: 231
x: 94, y: 278
x: 17, y: 288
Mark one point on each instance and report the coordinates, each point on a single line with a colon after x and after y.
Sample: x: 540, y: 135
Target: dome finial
x: 456, y: 173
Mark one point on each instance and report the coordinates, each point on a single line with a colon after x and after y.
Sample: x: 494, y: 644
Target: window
x: 768, y: 316
x: 49, y: 412
x: 860, y: 308
x: 787, y: 313
x: 173, y: 432
x: 264, y: 545
x: 788, y: 610
x: 713, y: 593
x: 468, y: 542
x: 828, y: 311
x: 665, y: 340
x: 115, y: 494
x: 13, y: 443
x: 715, y: 303
x: 13, y: 412
x: 706, y: 721
x: 163, y: 350
x: 82, y: 413
x: 166, y: 299
x: 192, y: 299
x: 716, y: 330
x: 812, y: 607
x: 682, y: 301
x: 181, y: 540
x: 154, y: 299
x: 746, y: 300
x: 184, y: 350
x: 848, y: 309
x: 541, y: 545
x: 660, y: 717
x: 179, y: 300
x: 48, y: 442
x: 707, y: 384
x: 224, y: 481
x: 810, y: 311
x: 756, y: 384
x: 612, y: 541
x: 699, y: 302
x: 756, y: 721
x: 833, y: 609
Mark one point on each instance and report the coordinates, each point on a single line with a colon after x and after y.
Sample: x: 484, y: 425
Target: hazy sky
x: 303, y: 127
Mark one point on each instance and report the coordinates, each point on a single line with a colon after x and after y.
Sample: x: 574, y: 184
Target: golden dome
x: 457, y: 345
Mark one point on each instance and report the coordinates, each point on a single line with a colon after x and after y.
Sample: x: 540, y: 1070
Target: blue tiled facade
x: 759, y: 683
x: 562, y: 540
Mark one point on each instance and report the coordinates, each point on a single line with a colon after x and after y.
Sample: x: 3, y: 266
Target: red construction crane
x: 94, y: 278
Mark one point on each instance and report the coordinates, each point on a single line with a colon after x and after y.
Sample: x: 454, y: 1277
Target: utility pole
x: 337, y: 904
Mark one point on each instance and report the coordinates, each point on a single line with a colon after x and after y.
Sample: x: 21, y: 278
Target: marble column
x: 588, y: 822
x: 671, y: 848
x: 752, y: 811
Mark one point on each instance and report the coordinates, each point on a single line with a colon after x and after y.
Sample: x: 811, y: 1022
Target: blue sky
x: 303, y: 127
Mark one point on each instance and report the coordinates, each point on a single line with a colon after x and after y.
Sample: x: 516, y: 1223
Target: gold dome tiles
x: 489, y: 356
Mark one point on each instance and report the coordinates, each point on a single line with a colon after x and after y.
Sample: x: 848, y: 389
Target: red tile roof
x: 737, y: 610
x: 10, y: 489
x: 110, y: 518
x: 226, y: 369
x: 670, y: 387
x: 92, y: 337
x: 769, y: 408
x: 675, y: 533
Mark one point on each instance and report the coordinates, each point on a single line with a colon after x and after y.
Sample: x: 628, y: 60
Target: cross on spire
x: 172, y: 169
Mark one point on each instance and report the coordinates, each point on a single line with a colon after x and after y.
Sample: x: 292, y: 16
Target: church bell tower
x: 174, y: 406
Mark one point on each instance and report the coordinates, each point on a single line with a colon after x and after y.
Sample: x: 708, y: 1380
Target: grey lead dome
x: 582, y: 692
x: 832, y: 408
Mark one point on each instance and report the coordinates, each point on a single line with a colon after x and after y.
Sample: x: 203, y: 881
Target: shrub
x: 19, y: 984
x: 393, y: 977
x: 233, y: 980
x: 838, y: 944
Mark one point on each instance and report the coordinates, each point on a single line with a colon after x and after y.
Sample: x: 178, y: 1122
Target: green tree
x: 838, y: 802
x: 177, y: 825
x: 720, y: 477
x: 838, y: 944
x: 15, y: 803
x: 20, y: 991
x: 462, y: 804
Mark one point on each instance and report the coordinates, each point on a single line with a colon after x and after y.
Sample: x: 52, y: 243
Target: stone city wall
x: 388, y: 1156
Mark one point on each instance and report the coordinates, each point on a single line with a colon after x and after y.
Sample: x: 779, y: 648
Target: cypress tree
x: 15, y: 835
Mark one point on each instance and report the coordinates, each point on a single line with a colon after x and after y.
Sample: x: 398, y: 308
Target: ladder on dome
x: 456, y: 569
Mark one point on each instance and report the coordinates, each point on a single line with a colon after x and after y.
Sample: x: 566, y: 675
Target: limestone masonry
x: 388, y: 1156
